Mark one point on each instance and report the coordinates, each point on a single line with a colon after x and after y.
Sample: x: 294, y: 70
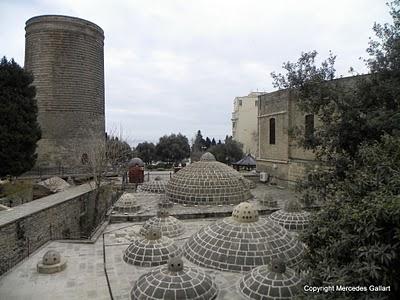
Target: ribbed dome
x: 230, y: 244
x: 292, y: 217
x: 174, y: 281
x: 127, y: 203
x: 155, y: 186
x: 151, y: 250
x: 169, y: 225
x: 207, y: 182
x: 270, y: 283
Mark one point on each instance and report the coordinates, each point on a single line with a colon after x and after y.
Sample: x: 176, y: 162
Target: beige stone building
x: 278, y: 153
x: 244, y: 122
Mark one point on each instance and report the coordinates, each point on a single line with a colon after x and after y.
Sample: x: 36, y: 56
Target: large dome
x: 208, y: 182
x: 174, y: 281
x: 242, y: 242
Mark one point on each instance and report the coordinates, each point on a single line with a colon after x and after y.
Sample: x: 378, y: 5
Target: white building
x: 244, y: 122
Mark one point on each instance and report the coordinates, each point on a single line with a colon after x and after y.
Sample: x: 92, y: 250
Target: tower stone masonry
x: 66, y: 57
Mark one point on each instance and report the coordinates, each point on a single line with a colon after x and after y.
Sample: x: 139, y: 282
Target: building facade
x: 278, y: 152
x: 244, y: 122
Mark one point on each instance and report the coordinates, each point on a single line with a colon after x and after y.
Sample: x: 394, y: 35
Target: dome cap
x: 175, y: 264
x: 153, y: 233
x: 51, y: 257
x: 245, y: 213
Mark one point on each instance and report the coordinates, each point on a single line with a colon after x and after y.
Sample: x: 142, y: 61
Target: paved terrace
x: 84, y: 276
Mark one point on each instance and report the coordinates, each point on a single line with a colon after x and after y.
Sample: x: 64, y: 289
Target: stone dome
x: 170, y: 226
x: 238, y: 244
x: 51, y: 257
x: 151, y: 250
x: 155, y: 186
x: 274, y: 281
x: 136, y: 161
x: 207, y: 157
x: 126, y: 203
x: 292, y: 217
x: 51, y: 262
x: 207, y: 182
x: 174, y: 281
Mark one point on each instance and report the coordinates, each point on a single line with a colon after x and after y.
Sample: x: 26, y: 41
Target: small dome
x: 245, y: 213
x: 51, y: 262
x: 291, y: 217
x: 51, y: 257
x: 270, y: 282
x: 232, y: 245
x: 174, y: 281
x: 292, y: 205
x: 156, y: 186
x: 207, y: 182
x: 152, y: 250
x: 169, y: 225
x: 127, y: 203
x: 207, y: 157
x: 136, y: 161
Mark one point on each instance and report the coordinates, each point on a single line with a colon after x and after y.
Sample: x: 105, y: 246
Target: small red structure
x: 136, y: 170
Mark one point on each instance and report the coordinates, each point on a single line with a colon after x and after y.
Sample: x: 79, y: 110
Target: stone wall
x: 66, y: 57
x: 65, y: 215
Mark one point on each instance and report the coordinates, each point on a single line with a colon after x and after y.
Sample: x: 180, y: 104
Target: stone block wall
x: 65, y: 215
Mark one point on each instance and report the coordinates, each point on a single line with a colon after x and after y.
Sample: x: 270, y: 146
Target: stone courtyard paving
x: 84, y: 276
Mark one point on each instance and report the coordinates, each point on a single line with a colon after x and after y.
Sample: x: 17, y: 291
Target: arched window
x: 272, y: 131
x: 309, y: 127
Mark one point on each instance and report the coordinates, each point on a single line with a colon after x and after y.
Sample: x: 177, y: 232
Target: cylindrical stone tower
x: 66, y: 56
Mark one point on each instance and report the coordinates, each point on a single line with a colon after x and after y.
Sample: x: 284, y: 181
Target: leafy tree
x: 118, y: 151
x: 355, y: 239
x: 199, y: 142
x: 173, y: 148
x: 146, y: 151
x: 207, y: 142
x: 19, y: 129
x: 213, y: 143
x: 230, y: 151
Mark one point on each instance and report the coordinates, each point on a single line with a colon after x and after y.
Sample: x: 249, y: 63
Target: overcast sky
x: 176, y: 66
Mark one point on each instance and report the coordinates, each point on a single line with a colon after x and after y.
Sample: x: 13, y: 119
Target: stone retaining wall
x: 65, y: 215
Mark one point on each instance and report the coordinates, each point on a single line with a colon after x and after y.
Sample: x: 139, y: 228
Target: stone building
x: 66, y: 57
x: 244, y: 122
x: 278, y: 152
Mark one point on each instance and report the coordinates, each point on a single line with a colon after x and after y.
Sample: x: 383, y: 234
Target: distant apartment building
x: 244, y: 122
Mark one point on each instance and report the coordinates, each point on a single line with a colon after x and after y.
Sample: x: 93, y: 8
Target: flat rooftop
x: 84, y: 276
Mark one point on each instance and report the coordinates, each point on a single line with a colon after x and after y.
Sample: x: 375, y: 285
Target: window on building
x: 240, y: 102
x: 272, y: 131
x: 309, y: 127
x: 256, y: 103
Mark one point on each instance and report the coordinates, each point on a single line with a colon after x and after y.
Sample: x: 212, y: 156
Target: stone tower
x: 66, y: 56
